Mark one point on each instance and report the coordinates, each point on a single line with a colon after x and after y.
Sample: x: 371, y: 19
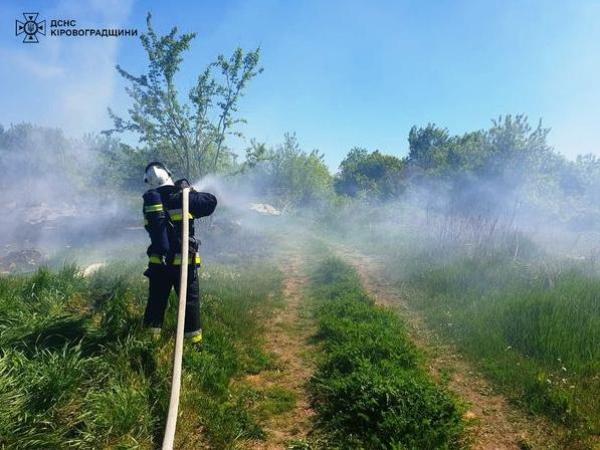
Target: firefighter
x: 163, y: 221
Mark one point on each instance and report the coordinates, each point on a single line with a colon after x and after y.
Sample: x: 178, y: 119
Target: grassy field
x: 77, y: 370
x: 370, y: 390
x: 535, y: 332
x: 528, y: 318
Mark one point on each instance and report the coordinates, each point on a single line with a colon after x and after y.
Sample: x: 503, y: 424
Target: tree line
x: 481, y: 172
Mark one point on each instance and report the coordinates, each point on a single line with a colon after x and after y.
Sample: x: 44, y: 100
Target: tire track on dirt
x: 493, y: 423
x: 287, y: 337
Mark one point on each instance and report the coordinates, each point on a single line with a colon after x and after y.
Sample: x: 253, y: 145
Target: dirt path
x: 287, y: 337
x: 494, y: 422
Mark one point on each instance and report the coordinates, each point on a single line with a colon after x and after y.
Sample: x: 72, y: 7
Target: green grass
x: 370, y: 390
x: 74, y: 370
x: 527, y: 317
x: 236, y: 305
x: 78, y: 371
x: 535, y: 331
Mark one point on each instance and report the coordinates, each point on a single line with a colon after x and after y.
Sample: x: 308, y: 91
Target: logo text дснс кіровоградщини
x: 31, y: 28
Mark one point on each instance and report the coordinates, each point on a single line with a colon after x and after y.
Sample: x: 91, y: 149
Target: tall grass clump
x: 77, y: 370
x: 370, y: 390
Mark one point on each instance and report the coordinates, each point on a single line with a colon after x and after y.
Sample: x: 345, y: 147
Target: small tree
x: 286, y: 174
x: 427, y: 145
x: 373, y: 175
x: 189, y: 135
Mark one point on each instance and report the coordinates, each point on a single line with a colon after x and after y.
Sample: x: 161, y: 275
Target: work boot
x: 195, y: 338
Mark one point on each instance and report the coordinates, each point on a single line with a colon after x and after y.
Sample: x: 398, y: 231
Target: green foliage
x: 532, y: 330
x: 514, y: 144
x: 287, y: 174
x: 528, y: 318
x: 504, y: 170
x: 189, y: 135
x: 486, y: 172
x: 77, y: 370
x: 56, y: 361
x: 23, y: 145
x: 370, y: 175
x: 118, y: 166
x: 369, y: 389
x: 56, y: 168
x: 29, y: 153
x: 428, y: 146
x: 511, y: 147
x: 234, y: 310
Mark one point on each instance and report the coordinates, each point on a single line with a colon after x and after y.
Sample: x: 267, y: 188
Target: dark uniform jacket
x: 163, y: 220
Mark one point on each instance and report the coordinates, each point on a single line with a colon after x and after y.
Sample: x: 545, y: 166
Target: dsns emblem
x: 30, y: 28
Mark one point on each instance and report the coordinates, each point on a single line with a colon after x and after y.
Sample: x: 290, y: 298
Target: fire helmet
x: 156, y: 174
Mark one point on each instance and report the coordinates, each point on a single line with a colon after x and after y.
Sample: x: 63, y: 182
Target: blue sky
x: 338, y: 73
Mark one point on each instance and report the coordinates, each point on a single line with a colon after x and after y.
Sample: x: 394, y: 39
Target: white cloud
x: 29, y: 64
x: 63, y: 81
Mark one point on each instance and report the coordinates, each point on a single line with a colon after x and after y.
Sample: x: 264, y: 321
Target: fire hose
x: 169, y: 436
